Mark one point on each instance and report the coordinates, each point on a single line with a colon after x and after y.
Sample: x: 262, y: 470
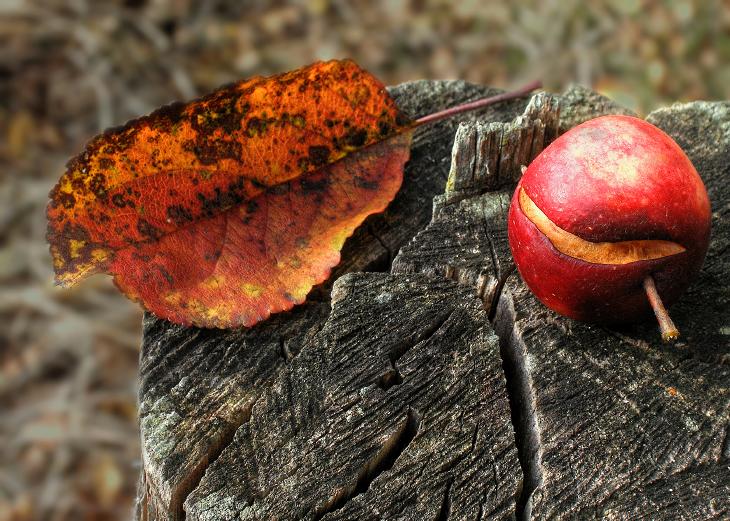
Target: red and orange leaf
x: 190, y: 161
x: 223, y: 210
x: 263, y: 257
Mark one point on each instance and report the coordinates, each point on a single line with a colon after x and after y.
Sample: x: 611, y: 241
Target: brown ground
x: 70, y: 68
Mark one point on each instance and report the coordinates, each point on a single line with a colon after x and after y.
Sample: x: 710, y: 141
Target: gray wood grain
x: 396, y: 408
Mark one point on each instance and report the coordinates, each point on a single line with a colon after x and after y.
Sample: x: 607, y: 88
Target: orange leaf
x: 223, y: 210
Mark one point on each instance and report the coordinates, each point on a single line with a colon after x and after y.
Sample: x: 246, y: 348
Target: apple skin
x: 613, y: 178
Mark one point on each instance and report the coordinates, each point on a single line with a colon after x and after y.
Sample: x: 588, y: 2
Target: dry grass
x: 70, y: 68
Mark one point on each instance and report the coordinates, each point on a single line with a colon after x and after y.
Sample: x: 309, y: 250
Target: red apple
x: 610, y: 216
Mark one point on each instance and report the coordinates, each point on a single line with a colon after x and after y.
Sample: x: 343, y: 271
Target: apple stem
x: 472, y: 105
x: 669, y: 331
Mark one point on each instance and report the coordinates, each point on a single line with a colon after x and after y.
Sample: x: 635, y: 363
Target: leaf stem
x: 669, y: 331
x: 472, y: 105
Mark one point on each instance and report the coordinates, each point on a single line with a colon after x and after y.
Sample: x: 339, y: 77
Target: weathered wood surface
x: 398, y: 401
x: 397, y: 408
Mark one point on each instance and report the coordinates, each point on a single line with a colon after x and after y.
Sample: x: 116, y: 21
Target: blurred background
x: 70, y: 68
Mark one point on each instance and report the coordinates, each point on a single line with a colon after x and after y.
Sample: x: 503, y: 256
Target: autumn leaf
x: 226, y: 209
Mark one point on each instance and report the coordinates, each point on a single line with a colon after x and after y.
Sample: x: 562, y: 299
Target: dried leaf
x: 224, y: 210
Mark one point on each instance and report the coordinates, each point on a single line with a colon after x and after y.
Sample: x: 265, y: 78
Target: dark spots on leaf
x: 238, y: 184
x: 319, y: 155
x: 97, y: 185
x: 230, y: 122
x: 76, y: 232
x: 256, y: 127
x: 77, y: 183
x: 220, y: 112
x: 78, y: 254
x: 67, y: 200
x: 166, y: 275
x: 219, y: 201
x: 147, y: 230
x: 179, y: 214
x: 303, y: 163
x: 250, y: 209
x: 385, y: 128
x: 119, y: 139
x: 105, y: 163
x: 211, y: 152
x: 119, y: 201
x: 314, y: 185
x: 329, y: 123
x: 356, y: 137
x: 367, y: 184
x: 143, y: 257
x: 166, y: 116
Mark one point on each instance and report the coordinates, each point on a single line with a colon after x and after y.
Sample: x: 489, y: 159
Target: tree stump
x: 435, y: 385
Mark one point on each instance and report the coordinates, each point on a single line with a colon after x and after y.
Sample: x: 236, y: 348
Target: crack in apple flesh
x: 623, y: 252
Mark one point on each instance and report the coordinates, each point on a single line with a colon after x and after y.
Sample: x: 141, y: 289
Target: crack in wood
x: 445, y: 510
x: 392, y: 376
x: 487, y: 157
x: 383, y: 461
x: 522, y: 402
x: 284, y: 352
x: 183, y: 489
x: 484, y: 158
